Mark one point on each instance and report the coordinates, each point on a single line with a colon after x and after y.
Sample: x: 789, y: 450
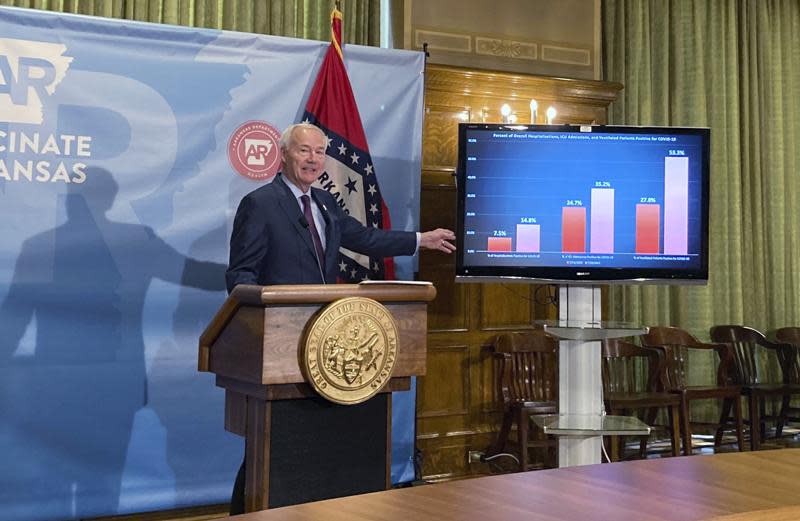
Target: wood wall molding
x: 506, y: 48
x: 479, y: 84
x: 446, y: 363
x: 457, y: 407
x: 502, y: 46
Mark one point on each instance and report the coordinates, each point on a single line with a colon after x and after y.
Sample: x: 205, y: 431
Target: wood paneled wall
x: 457, y: 405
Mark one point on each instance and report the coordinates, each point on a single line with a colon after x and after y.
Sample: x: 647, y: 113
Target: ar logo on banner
x: 253, y: 150
x: 29, y: 74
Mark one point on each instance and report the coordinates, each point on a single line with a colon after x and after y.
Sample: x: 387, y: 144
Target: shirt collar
x: 296, y: 191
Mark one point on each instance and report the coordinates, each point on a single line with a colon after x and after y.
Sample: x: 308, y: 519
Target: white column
x: 580, y: 389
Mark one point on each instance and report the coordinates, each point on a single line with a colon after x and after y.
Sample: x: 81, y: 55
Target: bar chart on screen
x: 616, y: 203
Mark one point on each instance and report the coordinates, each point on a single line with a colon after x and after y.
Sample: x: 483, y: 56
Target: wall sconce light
x: 534, y: 110
x: 551, y: 115
x: 505, y: 111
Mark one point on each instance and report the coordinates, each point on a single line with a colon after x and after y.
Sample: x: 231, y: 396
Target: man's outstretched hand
x: 438, y: 239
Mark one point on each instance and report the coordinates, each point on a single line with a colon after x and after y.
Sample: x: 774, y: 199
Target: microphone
x: 303, y: 222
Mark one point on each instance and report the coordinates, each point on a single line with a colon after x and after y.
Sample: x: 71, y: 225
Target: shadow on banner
x: 69, y: 401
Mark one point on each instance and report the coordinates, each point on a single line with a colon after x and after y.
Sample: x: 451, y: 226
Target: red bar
x: 647, y: 228
x: 499, y: 243
x: 573, y: 229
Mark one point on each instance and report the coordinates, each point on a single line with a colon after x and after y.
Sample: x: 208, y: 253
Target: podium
x: 300, y: 447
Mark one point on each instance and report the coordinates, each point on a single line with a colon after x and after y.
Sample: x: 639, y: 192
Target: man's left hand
x: 438, y: 239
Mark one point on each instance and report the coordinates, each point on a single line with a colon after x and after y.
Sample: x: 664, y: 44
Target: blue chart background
x: 106, y: 285
x: 532, y: 175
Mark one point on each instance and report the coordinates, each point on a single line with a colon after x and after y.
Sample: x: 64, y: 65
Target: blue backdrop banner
x: 124, y: 150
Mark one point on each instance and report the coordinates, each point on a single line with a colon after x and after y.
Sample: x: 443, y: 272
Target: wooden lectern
x: 300, y: 447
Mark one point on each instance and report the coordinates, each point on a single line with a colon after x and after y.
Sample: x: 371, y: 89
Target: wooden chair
x: 528, y: 386
x: 790, y: 365
x: 748, y: 345
x: 676, y: 344
x: 625, y: 390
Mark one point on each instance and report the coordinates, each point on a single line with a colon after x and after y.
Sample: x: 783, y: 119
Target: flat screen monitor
x: 573, y: 204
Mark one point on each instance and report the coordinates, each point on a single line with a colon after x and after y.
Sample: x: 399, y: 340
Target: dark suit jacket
x: 270, y: 244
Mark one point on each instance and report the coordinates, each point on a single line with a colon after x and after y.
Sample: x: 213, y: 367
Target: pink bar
x: 676, y: 205
x: 528, y: 238
x: 601, y: 232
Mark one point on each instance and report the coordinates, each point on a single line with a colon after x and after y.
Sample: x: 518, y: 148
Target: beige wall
x: 547, y: 37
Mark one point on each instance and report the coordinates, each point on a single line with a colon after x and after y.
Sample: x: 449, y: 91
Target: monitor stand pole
x: 580, y: 376
x: 581, y: 421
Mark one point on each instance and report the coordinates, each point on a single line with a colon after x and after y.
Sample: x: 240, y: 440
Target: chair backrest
x: 790, y: 337
x: 628, y: 368
x: 663, y: 335
x: 676, y: 344
x: 751, y: 352
x: 528, y: 366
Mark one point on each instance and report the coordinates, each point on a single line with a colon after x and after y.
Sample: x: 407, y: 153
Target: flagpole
x: 424, y: 75
x: 424, y: 78
x: 426, y: 55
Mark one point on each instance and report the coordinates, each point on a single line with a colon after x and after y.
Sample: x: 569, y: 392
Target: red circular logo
x: 254, y: 150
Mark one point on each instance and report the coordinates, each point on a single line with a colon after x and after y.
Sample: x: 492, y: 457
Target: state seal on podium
x: 350, y: 349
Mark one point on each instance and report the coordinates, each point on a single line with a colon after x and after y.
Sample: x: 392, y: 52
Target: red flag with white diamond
x: 349, y: 172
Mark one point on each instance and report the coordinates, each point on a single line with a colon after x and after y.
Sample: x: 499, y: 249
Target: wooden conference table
x: 766, y: 483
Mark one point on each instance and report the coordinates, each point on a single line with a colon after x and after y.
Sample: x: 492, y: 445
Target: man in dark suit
x: 288, y: 232
x: 280, y: 239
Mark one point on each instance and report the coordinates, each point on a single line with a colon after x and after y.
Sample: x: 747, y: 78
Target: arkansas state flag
x: 349, y: 173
